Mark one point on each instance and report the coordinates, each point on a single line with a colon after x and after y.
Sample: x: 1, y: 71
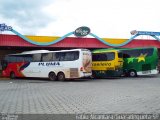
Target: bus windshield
x: 103, y: 56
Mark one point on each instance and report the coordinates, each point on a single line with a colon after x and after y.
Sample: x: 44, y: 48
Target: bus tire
x: 132, y: 73
x: 12, y: 75
x: 52, y: 76
x: 61, y: 76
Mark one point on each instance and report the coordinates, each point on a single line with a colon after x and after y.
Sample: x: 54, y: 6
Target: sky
x: 105, y: 18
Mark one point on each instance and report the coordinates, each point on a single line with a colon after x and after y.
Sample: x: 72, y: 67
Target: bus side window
x: 28, y: 58
x: 148, y: 51
x: 68, y: 56
x: 55, y: 56
x: 6, y: 58
x: 12, y: 59
x: 120, y: 55
x: 76, y: 55
x: 19, y: 58
x: 62, y: 56
x: 71, y: 56
x: 37, y: 57
x: 46, y: 57
x: 126, y: 55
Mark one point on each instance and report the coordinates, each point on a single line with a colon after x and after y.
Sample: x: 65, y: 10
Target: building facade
x: 13, y: 43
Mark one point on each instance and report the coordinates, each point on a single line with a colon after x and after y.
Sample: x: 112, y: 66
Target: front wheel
x: 132, y: 73
x: 61, y: 76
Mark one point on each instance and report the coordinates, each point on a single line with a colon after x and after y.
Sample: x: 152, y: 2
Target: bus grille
x: 73, y: 72
x: 146, y: 67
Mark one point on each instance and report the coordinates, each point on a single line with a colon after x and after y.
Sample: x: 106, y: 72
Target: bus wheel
x: 61, y: 76
x: 52, y: 76
x: 132, y: 73
x: 12, y: 75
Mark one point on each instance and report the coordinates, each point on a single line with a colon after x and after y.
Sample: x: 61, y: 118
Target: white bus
x: 55, y: 65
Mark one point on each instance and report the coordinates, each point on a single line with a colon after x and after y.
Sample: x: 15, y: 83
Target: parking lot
x: 118, y: 95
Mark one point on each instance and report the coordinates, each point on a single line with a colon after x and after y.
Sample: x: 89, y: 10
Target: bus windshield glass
x: 104, y: 56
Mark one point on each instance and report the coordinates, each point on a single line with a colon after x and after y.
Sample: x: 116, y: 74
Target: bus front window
x: 110, y: 56
x: 104, y: 56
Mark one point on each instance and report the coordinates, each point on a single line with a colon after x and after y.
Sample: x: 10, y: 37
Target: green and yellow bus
x: 140, y: 61
x: 107, y: 63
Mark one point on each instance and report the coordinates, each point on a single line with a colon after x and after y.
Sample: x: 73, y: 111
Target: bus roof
x: 135, y: 48
x: 45, y: 51
x: 118, y: 49
x: 104, y: 50
x: 35, y: 51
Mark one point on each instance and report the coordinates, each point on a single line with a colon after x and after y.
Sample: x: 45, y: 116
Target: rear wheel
x: 52, y: 76
x: 132, y: 73
x: 12, y: 75
x: 61, y: 76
